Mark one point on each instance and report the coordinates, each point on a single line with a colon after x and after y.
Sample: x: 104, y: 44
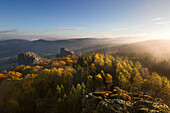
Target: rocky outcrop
x: 64, y: 52
x: 29, y: 58
x: 120, y: 101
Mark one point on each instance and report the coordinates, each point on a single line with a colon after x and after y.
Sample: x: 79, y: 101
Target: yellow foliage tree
x: 108, y: 80
x: 90, y: 82
x: 98, y: 80
x: 12, y: 75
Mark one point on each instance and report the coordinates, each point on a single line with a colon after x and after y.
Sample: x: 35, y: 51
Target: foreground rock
x: 120, y: 101
x: 29, y: 58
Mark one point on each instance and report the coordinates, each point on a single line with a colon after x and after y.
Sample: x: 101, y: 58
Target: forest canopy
x: 59, y: 85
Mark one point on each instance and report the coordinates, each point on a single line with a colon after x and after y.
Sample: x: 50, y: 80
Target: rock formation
x: 29, y: 58
x: 120, y: 101
x: 64, y: 52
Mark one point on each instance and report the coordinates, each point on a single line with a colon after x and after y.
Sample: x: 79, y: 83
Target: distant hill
x: 7, y: 62
x: 13, y: 47
x: 97, y: 47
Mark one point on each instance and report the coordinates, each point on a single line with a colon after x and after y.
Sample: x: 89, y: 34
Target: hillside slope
x: 158, y: 48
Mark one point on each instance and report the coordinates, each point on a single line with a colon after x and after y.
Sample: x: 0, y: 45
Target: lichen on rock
x: 121, y: 101
x: 28, y: 58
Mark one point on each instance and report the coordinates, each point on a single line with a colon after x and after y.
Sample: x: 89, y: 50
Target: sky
x: 64, y: 19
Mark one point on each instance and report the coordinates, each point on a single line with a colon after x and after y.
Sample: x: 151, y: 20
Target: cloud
x: 163, y: 23
x: 69, y: 28
x: 120, y: 29
x: 8, y: 31
x: 6, y: 36
x: 140, y: 25
x: 155, y: 19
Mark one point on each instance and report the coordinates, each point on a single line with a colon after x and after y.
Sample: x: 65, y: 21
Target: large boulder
x: 121, y: 101
x: 29, y: 58
x: 64, y: 52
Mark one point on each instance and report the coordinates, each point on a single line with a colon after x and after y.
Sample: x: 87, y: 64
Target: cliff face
x: 64, y: 52
x: 29, y: 58
x: 120, y: 101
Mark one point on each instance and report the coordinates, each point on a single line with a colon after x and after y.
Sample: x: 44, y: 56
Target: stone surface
x: 121, y: 101
x: 29, y: 58
x: 64, y: 52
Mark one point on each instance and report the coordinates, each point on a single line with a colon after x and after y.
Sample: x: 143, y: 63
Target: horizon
x: 59, y: 20
x: 116, y: 38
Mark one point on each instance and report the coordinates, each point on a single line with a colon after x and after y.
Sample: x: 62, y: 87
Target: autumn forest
x: 60, y: 84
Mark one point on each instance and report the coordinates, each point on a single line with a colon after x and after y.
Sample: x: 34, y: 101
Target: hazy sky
x: 48, y: 19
